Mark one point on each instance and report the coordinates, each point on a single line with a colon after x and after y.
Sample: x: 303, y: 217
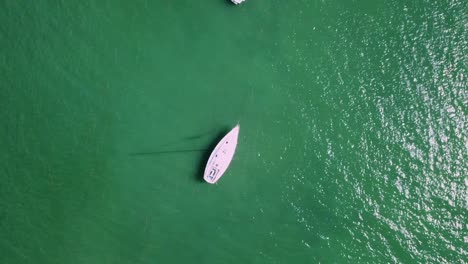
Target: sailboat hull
x: 221, y: 156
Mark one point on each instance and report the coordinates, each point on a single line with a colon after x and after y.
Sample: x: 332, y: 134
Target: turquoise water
x: 352, y: 148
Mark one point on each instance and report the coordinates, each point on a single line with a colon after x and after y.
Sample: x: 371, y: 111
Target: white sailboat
x: 221, y: 156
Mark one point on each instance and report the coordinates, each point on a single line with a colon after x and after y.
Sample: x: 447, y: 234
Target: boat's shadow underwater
x: 205, y: 154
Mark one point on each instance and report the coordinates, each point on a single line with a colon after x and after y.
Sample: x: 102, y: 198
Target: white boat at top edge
x: 237, y: 1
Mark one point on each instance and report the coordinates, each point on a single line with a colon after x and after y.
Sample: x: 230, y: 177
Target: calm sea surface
x: 353, y: 145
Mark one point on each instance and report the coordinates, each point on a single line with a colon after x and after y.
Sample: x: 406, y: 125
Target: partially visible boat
x: 237, y: 1
x: 221, y: 156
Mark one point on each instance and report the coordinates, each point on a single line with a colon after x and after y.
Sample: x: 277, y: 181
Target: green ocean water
x: 352, y: 149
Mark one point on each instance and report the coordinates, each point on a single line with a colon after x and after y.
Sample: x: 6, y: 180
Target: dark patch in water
x: 157, y: 153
